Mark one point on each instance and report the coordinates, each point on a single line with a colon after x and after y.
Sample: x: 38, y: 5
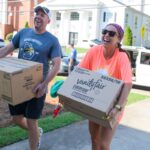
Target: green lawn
x: 12, y: 134
x: 79, y: 50
x: 134, y: 97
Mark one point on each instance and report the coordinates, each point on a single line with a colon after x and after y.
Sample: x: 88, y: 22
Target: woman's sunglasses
x: 111, y: 33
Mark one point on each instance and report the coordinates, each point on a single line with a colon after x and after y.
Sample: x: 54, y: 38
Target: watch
x: 118, y: 107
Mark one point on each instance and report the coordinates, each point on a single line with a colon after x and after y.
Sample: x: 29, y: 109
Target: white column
x: 83, y: 26
x: 50, y: 26
x: 35, y: 3
x: 64, y: 28
x: 4, y: 11
x: 95, y: 23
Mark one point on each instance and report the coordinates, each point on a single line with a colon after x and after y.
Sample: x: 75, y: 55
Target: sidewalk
x: 132, y: 134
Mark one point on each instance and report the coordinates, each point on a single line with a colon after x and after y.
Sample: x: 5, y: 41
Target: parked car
x: 94, y: 42
x: 64, y: 61
x: 64, y: 66
x: 2, y: 43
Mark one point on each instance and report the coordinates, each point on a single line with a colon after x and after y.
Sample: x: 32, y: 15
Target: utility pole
x: 142, y: 25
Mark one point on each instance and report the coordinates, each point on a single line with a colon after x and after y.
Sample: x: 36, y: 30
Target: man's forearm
x: 50, y: 76
x: 6, y: 50
x: 52, y: 73
x: 3, y: 52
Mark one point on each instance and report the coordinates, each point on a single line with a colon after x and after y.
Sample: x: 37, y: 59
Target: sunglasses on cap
x: 110, y: 33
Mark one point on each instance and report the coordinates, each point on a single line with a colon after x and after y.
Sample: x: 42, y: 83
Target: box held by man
x: 91, y: 95
x: 18, y: 77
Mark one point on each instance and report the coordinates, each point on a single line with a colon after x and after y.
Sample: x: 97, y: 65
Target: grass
x: 79, y: 50
x: 59, y: 78
x: 12, y: 134
x: 134, y: 97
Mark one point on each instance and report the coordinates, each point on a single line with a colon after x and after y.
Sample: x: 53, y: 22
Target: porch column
x: 4, y: 11
x: 83, y: 32
x: 64, y: 28
x: 95, y: 23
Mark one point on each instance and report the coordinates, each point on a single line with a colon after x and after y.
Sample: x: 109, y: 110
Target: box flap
x: 12, y: 64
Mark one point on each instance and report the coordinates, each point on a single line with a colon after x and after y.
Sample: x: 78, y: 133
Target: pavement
x: 133, y: 133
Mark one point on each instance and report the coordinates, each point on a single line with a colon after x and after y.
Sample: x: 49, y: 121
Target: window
x: 21, y: 13
x: 133, y: 56
x: 74, y: 16
x: 145, y: 58
x: 73, y: 38
x: 104, y: 17
x: 126, y: 19
x: 90, y: 17
x: 57, y: 25
x: 136, y: 22
x: 58, y: 16
x: 115, y: 17
x: 107, y: 16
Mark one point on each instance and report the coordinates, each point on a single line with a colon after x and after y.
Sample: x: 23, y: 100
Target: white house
x: 75, y: 21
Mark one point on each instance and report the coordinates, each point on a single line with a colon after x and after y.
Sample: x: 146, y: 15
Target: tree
x: 127, y: 40
x: 27, y: 25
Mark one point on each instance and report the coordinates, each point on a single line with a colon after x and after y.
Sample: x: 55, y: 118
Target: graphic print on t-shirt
x: 28, y: 50
x: 102, y: 71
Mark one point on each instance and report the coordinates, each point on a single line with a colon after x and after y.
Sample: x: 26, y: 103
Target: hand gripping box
x: 17, y: 79
x: 91, y: 95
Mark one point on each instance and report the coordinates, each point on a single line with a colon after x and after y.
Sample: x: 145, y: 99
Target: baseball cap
x: 44, y: 9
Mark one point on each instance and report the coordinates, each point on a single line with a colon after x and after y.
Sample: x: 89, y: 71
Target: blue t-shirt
x: 73, y: 54
x: 37, y: 47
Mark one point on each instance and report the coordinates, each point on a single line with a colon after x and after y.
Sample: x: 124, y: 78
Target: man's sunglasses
x: 111, y: 33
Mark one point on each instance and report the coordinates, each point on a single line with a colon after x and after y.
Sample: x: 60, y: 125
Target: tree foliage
x: 9, y: 36
x: 27, y: 25
x: 127, y: 40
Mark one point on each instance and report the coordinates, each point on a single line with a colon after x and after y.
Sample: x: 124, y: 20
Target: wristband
x: 118, y: 107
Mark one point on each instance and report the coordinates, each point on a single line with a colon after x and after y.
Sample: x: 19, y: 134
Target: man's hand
x: 40, y: 90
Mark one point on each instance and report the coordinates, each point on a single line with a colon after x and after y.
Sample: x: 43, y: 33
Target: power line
x: 15, y: 1
x: 80, y: 7
x: 123, y: 4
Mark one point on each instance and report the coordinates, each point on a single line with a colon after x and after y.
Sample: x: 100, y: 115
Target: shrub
x: 26, y: 25
x: 127, y: 40
x: 9, y: 36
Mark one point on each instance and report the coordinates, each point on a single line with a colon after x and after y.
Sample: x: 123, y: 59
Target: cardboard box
x: 91, y: 95
x: 17, y: 79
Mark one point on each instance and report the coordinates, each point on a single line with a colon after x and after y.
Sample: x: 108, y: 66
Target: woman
x: 109, y: 59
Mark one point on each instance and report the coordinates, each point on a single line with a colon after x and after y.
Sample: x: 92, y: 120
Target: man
x: 72, y: 58
x: 41, y: 46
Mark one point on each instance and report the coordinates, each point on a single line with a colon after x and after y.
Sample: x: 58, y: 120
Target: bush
x: 26, y: 25
x: 9, y: 36
x: 127, y: 40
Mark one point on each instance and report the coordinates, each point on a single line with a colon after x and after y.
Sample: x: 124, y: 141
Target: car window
x: 2, y: 44
x: 145, y: 58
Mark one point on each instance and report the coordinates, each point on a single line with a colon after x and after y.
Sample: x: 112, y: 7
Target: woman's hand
x: 114, y: 113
